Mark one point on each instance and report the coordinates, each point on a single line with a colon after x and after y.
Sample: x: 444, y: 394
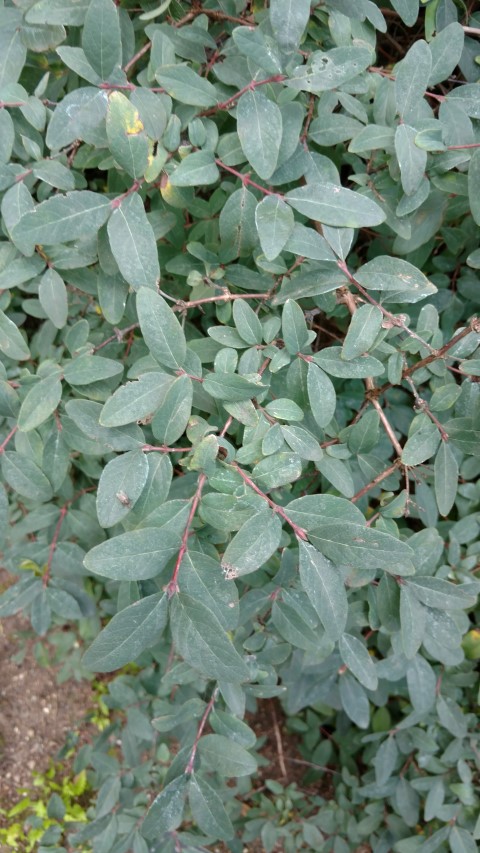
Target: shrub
x: 240, y: 405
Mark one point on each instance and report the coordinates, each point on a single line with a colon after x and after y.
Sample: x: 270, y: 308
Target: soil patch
x: 36, y: 713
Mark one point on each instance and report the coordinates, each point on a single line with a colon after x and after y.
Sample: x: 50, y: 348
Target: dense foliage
x: 240, y: 410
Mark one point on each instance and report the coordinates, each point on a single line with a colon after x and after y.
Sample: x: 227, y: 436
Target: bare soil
x: 35, y: 712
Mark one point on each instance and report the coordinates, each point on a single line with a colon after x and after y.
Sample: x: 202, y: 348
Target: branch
x: 7, y: 439
x: 299, y: 532
x: 254, y: 84
x: 143, y: 50
x: 387, y: 426
x: 378, y: 479
x: 245, y: 179
x: 150, y: 448
x: 118, y: 336
x: 202, y: 724
x: 422, y: 405
x: 172, y: 586
x: 180, y: 305
x: 396, y: 321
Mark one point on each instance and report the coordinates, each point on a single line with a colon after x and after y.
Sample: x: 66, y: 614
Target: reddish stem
x: 254, y: 84
x: 300, y: 533
x: 245, y: 179
x: 150, y: 448
x: 202, y: 724
x: 7, y: 439
x: 172, y: 586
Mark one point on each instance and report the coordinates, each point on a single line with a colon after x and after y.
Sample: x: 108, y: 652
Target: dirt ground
x: 35, y: 712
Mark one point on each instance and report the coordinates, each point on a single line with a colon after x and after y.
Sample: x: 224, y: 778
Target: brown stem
x: 172, y: 586
x: 300, y: 533
x: 423, y: 405
x: 378, y: 479
x: 387, y: 426
x: 223, y: 297
x: 201, y: 726
x: 118, y: 336
x: 254, y: 84
x: 7, y: 439
x: 143, y: 50
x: 245, y: 179
x: 150, y: 448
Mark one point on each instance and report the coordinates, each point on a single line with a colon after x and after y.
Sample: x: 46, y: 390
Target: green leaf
x: 166, y: 812
x: 128, y: 634
x: 275, y: 222
x: 394, y: 274
x: 439, y: 593
x: 259, y: 127
x: 41, y: 400
x: 411, y: 79
x: 200, y: 578
x: 63, y: 218
x: 362, y: 331
x: 202, y: 642
x: 247, y: 323
x: 371, y: 138
x: 276, y: 470
x: 284, y: 409
x: 321, y: 395
x: 412, y: 621
x: 253, y: 545
x: 238, y: 231
x: 231, y: 387
x: 133, y: 243
x: 411, y: 159
x: 446, y: 478
x: 354, y: 700
x: 308, y: 243
x: 120, y: 485
x: 353, y: 544
x: 407, y: 9
x: 289, y: 19
x: 311, y: 510
x: 356, y: 658
x: 474, y: 185
x: 136, y: 555
x: 197, y: 169
x: 385, y: 760
x: 57, y: 12
x: 294, y: 328
x: 183, y: 84
x: 226, y: 757
x: 25, y: 477
x: 127, y: 139
x: 334, y: 205
x: 302, y: 442
x: 446, y: 49
x: 173, y: 415
x: 325, y: 589
x: 101, y: 39
x: 462, y: 841
x: 52, y: 294
x: 258, y: 47
x: 329, y: 70
x: 451, y: 716
x: 161, y: 330
x: 136, y: 400
x: 13, y: 52
x: 208, y: 811
x: 12, y: 342
x: 421, y: 445
x: 90, y: 368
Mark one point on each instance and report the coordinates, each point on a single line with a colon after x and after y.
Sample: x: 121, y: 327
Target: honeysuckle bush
x: 240, y: 410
